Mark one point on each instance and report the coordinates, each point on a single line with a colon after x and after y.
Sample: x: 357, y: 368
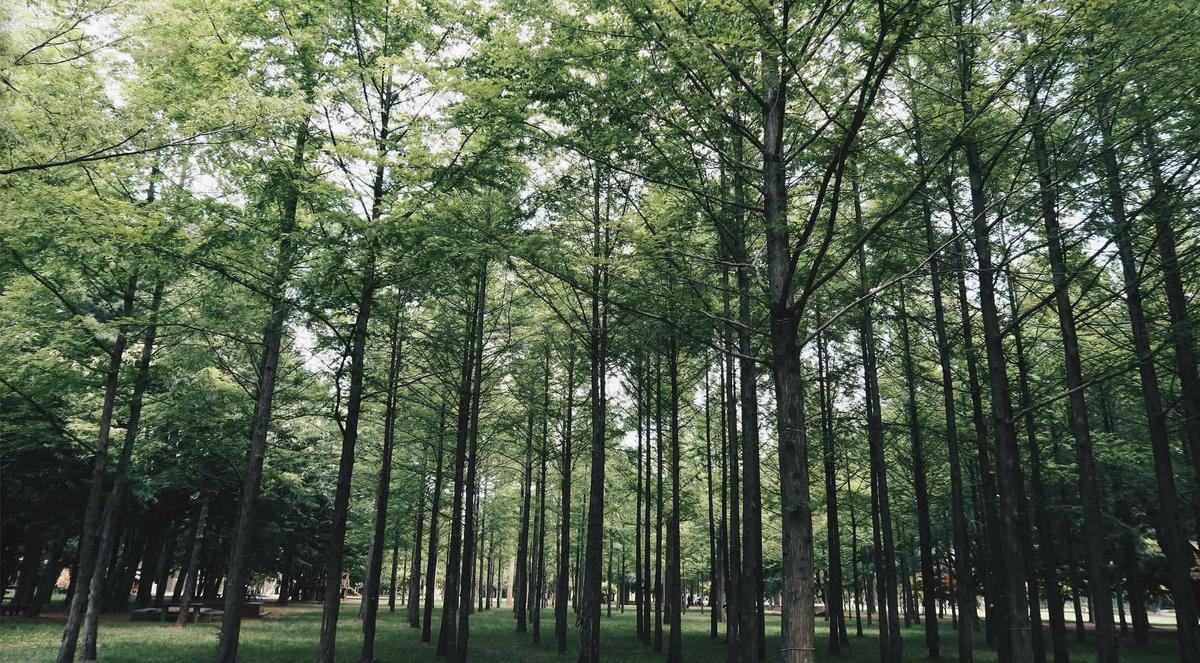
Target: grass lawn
x: 289, y: 635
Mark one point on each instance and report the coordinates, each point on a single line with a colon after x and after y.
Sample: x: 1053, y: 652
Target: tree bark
x: 447, y: 636
x: 434, y: 514
x: 833, y: 603
x: 920, y: 487
x: 370, y: 599
x: 193, y: 567
x: 112, y: 508
x: 1170, y: 531
x: 890, y: 642
x: 459, y: 652
x: 273, y: 336
x: 566, y: 463
x: 92, y: 514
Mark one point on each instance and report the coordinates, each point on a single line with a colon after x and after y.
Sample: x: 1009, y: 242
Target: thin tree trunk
x: 447, y: 635
x: 414, y: 579
x: 540, y: 576
x: 675, y: 641
x: 920, y: 487
x: 798, y: 635
x: 647, y: 587
x: 566, y: 464
x: 885, y: 556
x: 92, y: 514
x: 962, y: 568
x: 459, y: 652
x: 833, y: 603
x: 370, y: 599
x: 658, y: 524
x: 193, y: 567
x: 639, y: 579
x: 112, y: 509
x: 522, y: 574
x: 1169, y: 521
x: 713, y: 559
x: 273, y: 336
x: 434, y: 514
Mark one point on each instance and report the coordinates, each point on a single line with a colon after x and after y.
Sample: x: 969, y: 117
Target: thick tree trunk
x: 797, y: 631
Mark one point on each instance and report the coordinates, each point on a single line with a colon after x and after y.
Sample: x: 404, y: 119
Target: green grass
x: 289, y: 635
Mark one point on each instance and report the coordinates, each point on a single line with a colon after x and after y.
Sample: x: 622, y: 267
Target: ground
x: 289, y: 635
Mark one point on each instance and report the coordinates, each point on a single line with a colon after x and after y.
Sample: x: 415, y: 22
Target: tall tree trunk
x: 1181, y: 335
x: 521, y: 581
x: 540, y: 575
x: 264, y: 397
x: 370, y: 599
x: 833, y: 602
x: 566, y: 463
x: 675, y: 640
x: 854, y: 560
x: 589, y: 626
x: 112, y: 509
x: 1169, y: 522
x: 435, y: 513
x: 92, y: 513
x: 414, y: 579
x: 798, y: 635
x: 459, y: 653
x: 658, y: 519
x: 890, y: 642
x: 647, y: 587
x: 714, y: 562
x: 729, y: 388
x: 965, y: 588
x: 447, y: 635
x: 193, y: 567
x: 1077, y: 417
x: 920, y: 487
x: 639, y: 579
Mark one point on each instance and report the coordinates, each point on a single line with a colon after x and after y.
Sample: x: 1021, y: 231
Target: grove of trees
x: 829, y: 316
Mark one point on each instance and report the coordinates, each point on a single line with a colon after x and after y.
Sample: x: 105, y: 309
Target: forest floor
x: 289, y: 635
